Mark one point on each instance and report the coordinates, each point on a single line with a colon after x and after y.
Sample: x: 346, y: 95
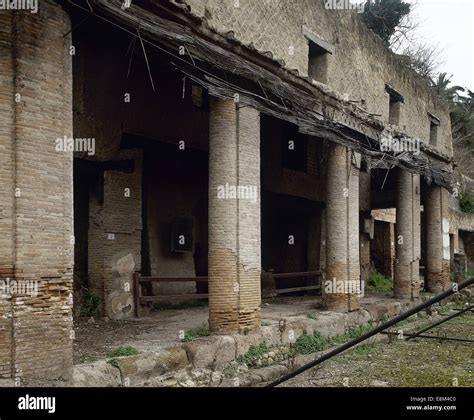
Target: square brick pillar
x: 36, y: 211
x: 342, y: 284
x: 114, y: 239
x: 407, y: 236
x: 234, y: 218
x: 388, y: 248
x: 438, y: 252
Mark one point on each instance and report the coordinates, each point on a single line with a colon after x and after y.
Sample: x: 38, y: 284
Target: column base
x: 341, y: 302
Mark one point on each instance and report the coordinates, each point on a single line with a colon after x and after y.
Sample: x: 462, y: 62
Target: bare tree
x: 423, y: 58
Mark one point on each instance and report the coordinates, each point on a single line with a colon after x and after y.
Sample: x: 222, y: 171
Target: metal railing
x: 377, y: 330
x: 139, y: 281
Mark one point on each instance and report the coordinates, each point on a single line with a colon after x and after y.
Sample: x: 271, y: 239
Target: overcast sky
x: 449, y: 24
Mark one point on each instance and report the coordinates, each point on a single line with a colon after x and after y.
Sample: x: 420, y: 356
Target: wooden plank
x: 144, y: 299
x: 294, y: 289
x: 173, y: 279
x: 300, y: 274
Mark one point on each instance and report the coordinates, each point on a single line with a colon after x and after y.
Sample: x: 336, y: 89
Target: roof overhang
x: 225, y: 68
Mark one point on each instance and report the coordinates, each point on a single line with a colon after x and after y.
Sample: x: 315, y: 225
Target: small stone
x: 170, y: 382
x: 380, y: 384
x: 196, y: 374
x: 270, y: 360
x: 91, y: 320
x: 271, y: 354
x: 189, y: 383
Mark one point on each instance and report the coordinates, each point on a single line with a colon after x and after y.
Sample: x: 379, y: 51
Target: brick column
x: 437, y: 240
x: 341, y: 289
x: 364, y: 252
x: 36, y: 214
x: 234, y: 221
x: 407, y: 236
x: 7, y: 191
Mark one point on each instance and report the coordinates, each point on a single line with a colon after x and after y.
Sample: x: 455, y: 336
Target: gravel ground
x: 400, y: 363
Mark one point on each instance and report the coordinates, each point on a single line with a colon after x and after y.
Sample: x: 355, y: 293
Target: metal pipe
x: 433, y: 337
x: 371, y: 333
x: 429, y: 327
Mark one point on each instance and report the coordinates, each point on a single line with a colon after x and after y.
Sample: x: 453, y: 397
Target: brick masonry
x: 342, y: 230
x: 437, y: 240
x: 36, y: 213
x: 36, y: 187
x: 234, y: 228
x: 407, y: 236
x: 115, y: 230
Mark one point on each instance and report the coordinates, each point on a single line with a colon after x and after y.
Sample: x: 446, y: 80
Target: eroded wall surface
x: 360, y: 66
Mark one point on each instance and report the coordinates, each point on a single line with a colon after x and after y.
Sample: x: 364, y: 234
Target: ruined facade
x: 173, y: 132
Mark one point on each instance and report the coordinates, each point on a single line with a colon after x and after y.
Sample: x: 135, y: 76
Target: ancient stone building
x: 207, y: 138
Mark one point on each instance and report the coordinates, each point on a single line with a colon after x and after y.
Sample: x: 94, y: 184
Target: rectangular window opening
x: 319, y: 51
x: 395, y: 107
x: 434, y: 124
x: 318, y: 63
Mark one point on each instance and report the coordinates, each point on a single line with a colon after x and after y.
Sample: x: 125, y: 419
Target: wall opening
x: 395, y: 105
x: 434, y: 124
x: 319, y: 51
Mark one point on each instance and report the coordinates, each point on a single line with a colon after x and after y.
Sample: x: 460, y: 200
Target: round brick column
x: 438, y: 253
x: 407, y: 236
x: 234, y: 220
x: 342, y: 285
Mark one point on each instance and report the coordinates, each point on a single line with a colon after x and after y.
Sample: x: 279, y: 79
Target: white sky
x: 449, y: 24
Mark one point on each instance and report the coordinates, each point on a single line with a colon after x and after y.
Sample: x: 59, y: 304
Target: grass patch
x: 312, y: 343
x: 181, y: 305
x: 466, y: 203
x: 363, y: 350
x: 409, y: 320
x: 253, y: 354
x: 193, y: 333
x: 306, y: 343
x: 90, y: 304
x: 312, y: 315
x: 230, y: 371
x: 121, y: 352
x: 378, y: 282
